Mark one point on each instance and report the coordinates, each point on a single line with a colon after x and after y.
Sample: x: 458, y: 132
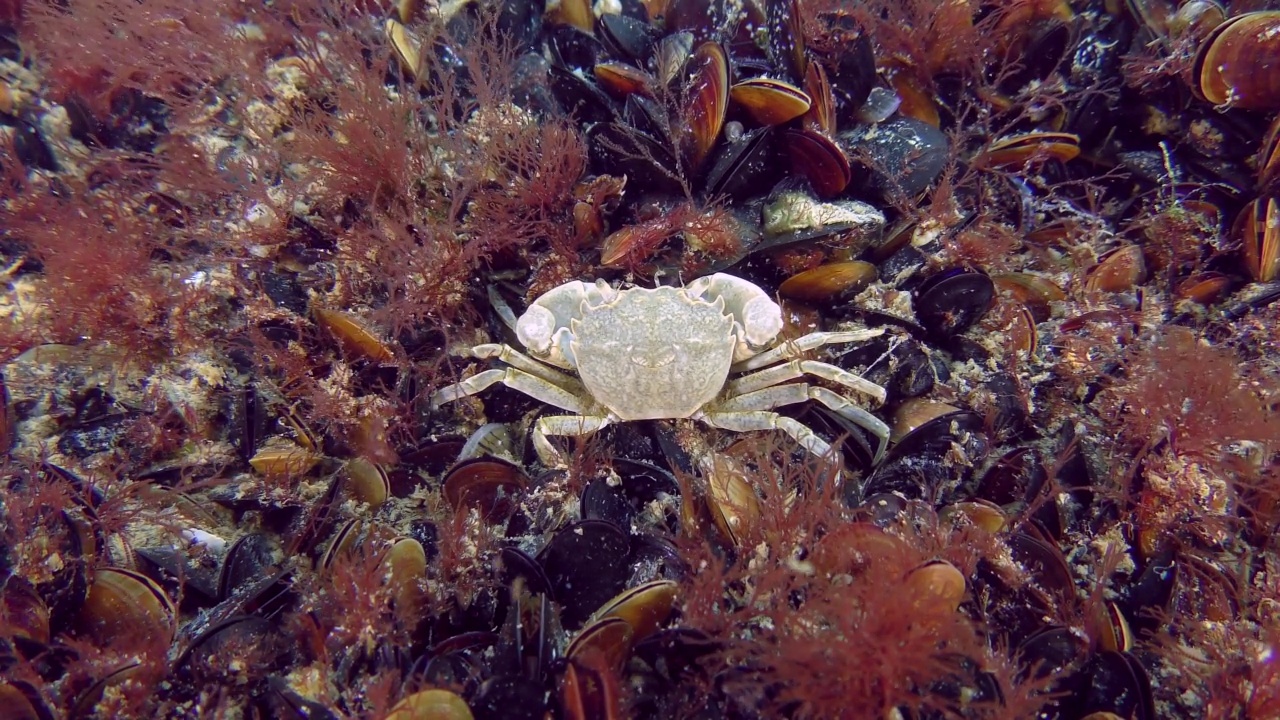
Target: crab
x: 706, y: 351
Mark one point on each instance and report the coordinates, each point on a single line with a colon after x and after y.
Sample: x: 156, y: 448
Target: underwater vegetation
x: 250, y: 249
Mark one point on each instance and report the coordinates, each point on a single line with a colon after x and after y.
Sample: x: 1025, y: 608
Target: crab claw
x: 757, y: 318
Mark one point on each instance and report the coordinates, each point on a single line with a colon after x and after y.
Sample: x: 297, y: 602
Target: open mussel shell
x: 914, y: 413
x: 355, y: 337
x: 732, y: 502
x: 405, y: 46
x: 622, y: 79
x: 1204, y: 288
x: 1268, y: 159
x: 950, y: 302
x: 1236, y: 63
x: 280, y: 459
x: 122, y: 603
x: 1036, y: 292
x: 826, y: 283
x: 487, y: 484
x: 977, y: 512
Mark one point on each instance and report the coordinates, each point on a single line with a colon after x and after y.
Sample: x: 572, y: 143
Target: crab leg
x: 564, y: 426
x: 778, y: 395
x: 799, y: 368
x: 765, y: 420
x: 856, y: 415
x: 804, y: 344
x: 520, y: 361
x: 516, y: 379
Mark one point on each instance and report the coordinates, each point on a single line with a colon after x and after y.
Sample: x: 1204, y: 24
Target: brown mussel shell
x: 353, y: 335
x: 644, y: 607
x: 122, y: 603
x: 1014, y: 152
x: 828, y: 282
x: 1236, y: 63
x: 487, y: 484
x: 367, y: 482
x: 817, y: 158
x: 709, y: 101
x: 1258, y: 228
x: 432, y: 704
x: 1119, y: 270
x: 769, y: 101
x: 935, y: 587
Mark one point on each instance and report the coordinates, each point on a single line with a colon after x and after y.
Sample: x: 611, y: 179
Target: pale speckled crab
x: 703, y: 351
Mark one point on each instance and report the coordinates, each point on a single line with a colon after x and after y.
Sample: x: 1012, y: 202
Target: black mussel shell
x: 647, y: 162
x: 656, y: 558
x: 901, y: 156
x: 648, y: 116
x: 1006, y: 406
x: 510, y: 697
x: 247, y: 560
x: 518, y: 564
x: 850, y: 62
x: 897, y: 362
x: 1046, y: 566
x: 744, y: 167
x: 1018, y: 476
x: 604, y: 500
x: 1148, y: 596
x: 626, y: 37
x: 32, y: 150
x: 580, y: 97
x: 949, y: 303
x: 572, y: 49
x: 1116, y: 682
x: 587, y: 563
x: 917, y: 466
x: 1053, y: 650
x: 209, y: 656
